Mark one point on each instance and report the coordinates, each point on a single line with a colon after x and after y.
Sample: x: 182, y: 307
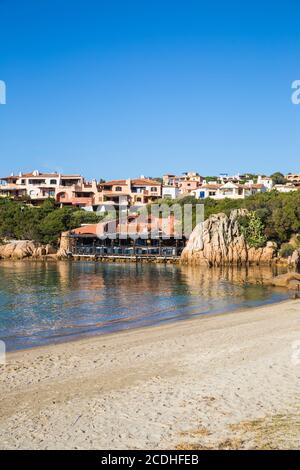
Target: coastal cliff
x: 219, y: 241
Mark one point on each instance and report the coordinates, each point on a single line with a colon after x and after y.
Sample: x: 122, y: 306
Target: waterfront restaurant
x: 155, y: 237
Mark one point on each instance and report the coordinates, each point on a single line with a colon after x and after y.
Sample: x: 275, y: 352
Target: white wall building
x: 228, y: 190
x: 285, y: 188
x: 266, y: 181
x: 170, y: 192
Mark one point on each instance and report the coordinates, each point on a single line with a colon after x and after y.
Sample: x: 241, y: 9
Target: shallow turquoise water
x: 44, y: 303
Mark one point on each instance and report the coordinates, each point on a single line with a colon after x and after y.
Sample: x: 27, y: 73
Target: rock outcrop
x: 25, y: 249
x: 289, y: 280
x: 294, y: 259
x: 218, y: 241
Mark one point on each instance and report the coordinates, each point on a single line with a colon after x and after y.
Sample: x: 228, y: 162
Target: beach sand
x: 226, y: 381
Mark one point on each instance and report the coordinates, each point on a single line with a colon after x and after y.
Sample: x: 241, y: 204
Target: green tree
x: 278, y: 178
x: 253, y: 230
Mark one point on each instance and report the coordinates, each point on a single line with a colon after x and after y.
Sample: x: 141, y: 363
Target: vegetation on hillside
x: 44, y: 224
x: 277, y: 215
x: 278, y: 178
x: 273, y: 216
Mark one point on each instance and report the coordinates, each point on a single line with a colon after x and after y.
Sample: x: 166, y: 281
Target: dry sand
x: 226, y: 381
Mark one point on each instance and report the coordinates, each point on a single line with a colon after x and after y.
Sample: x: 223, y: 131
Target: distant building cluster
x: 74, y: 190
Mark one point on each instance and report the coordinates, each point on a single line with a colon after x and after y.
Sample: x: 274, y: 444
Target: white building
x: 228, y: 190
x: 170, y: 192
x: 266, y: 181
x: 285, y: 188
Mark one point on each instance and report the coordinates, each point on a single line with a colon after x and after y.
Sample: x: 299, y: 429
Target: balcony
x: 76, y: 201
x: 12, y: 186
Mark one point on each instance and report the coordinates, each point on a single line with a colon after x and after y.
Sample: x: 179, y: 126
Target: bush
x: 286, y: 250
x: 253, y: 230
x: 279, y: 213
x: 298, y: 241
x: 43, y: 224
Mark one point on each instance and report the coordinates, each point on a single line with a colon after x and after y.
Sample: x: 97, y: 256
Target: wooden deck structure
x: 90, y: 246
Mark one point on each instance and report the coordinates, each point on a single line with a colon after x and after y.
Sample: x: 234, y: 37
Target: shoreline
x: 160, y: 324
x: 178, y: 385
x: 178, y: 260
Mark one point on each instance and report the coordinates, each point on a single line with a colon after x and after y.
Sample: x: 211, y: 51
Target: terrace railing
x: 119, y: 251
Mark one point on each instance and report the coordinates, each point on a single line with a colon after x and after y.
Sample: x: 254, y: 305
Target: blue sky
x: 124, y: 88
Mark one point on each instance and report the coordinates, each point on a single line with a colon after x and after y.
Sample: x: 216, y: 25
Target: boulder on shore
x: 21, y: 249
x: 289, y: 280
x: 218, y: 241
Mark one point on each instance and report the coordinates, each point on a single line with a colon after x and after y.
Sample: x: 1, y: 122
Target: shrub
x: 43, y: 224
x: 253, y: 230
x: 286, y: 250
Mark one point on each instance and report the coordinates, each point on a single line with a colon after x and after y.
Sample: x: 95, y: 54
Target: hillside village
x: 98, y: 196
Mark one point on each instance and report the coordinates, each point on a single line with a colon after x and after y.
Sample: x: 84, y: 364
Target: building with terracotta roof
x: 73, y: 190
x: 130, y: 192
x: 134, y: 236
x: 186, y: 183
x: 293, y: 178
x: 38, y: 186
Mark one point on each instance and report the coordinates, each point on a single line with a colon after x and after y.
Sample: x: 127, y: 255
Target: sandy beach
x: 225, y: 382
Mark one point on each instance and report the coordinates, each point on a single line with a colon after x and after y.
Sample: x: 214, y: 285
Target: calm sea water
x: 45, y: 303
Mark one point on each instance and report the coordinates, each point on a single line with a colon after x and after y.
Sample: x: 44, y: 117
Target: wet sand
x: 225, y: 381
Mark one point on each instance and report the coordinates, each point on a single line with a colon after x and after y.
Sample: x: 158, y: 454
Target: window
x: 37, y: 182
x: 154, y: 189
x: 118, y: 188
x: 23, y: 181
x: 53, y: 182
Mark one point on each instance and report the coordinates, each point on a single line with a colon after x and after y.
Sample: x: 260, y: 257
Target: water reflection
x: 47, y: 302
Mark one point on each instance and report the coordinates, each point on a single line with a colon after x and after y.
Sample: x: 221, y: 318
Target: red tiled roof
x: 150, y: 223
x: 133, y: 181
x: 114, y: 182
x: 86, y: 230
x: 148, y: 182
x: 250, y: 186
x: 210, y: 186
x: 115, y: 193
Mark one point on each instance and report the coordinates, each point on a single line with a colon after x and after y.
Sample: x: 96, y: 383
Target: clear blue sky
x: 122, y: 88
